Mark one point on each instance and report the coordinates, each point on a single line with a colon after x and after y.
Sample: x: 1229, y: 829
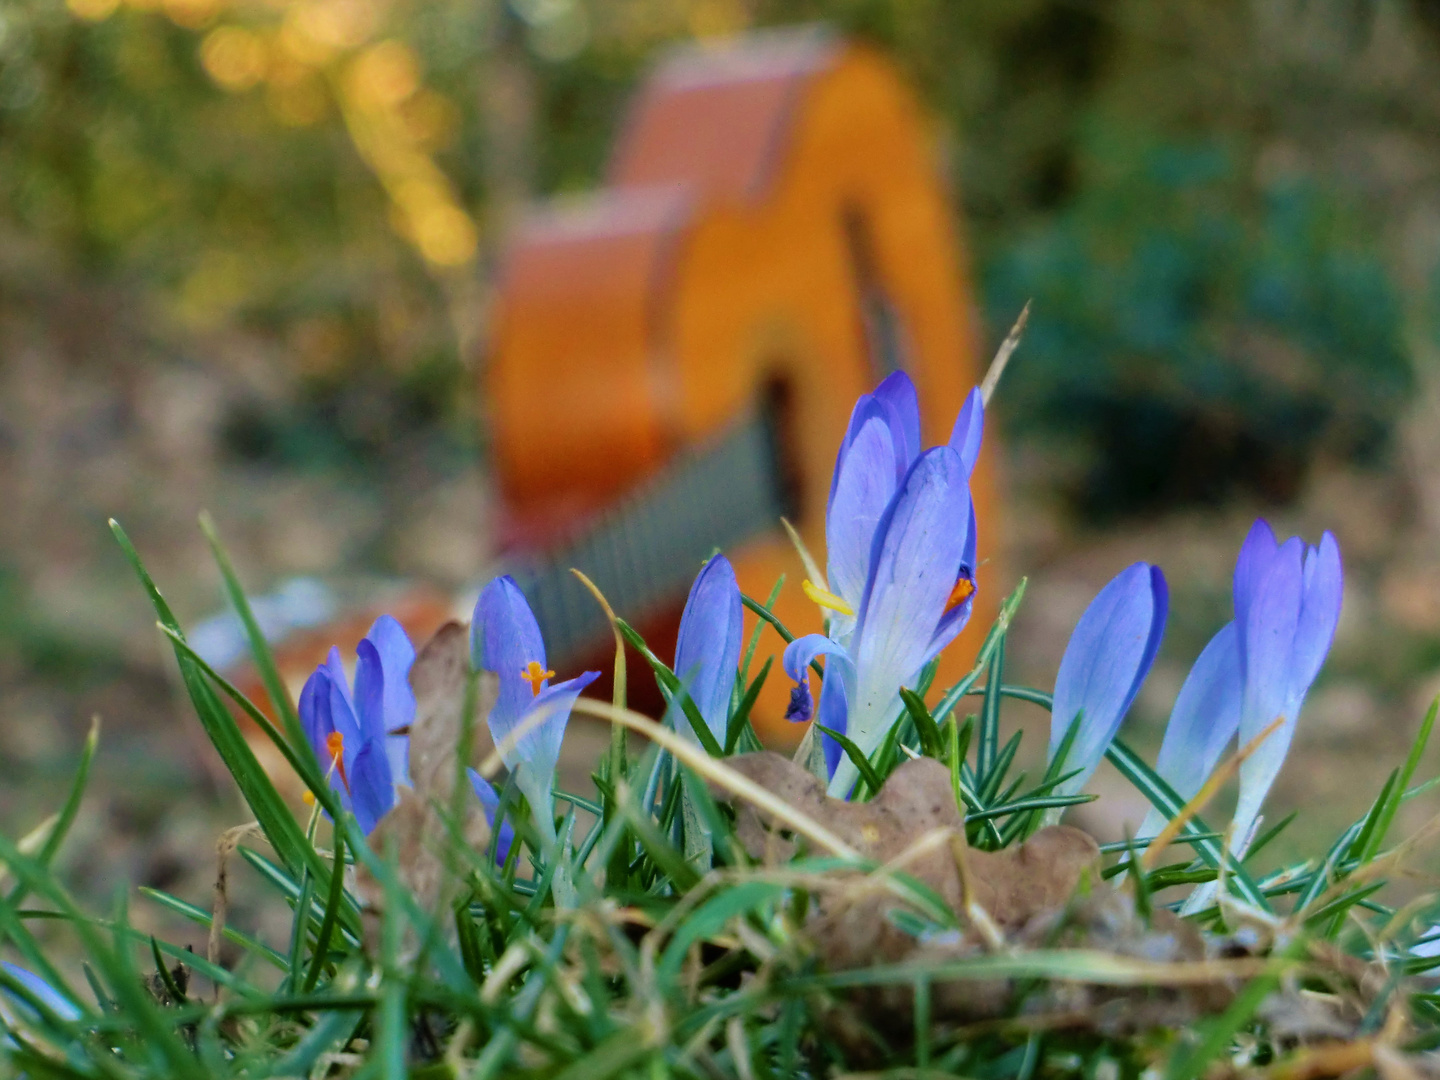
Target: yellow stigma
x: 335, y: 744
x: 308, y: 797
x: 964, y: 589
x: 826, y: 599
x: 535, y: 674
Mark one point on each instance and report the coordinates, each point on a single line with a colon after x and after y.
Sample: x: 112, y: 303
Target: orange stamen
x: 535, y: 674
x: 964, y: 589
x: 335, y: 744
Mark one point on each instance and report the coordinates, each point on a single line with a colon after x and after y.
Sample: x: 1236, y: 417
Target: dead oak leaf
x: 414, y: 829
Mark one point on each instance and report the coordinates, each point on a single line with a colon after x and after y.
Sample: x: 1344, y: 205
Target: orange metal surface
x: 759, y: 194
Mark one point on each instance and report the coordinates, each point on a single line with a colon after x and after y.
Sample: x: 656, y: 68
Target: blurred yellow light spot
x: 234, y: 57
x: 384, y: 74
x: 308, y: 797
x: 430, y: 120
x: 192, y: 14
x: 445, y: 235
x: 299, y: 44
x: 92, y: 10
x: 338, y: 24
x: 300, y: 103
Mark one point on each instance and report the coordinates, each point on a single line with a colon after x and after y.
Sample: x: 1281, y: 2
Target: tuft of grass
x: 669, y: 965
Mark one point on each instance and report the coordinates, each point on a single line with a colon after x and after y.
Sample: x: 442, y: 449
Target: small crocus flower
x: 490, y: 801
x: 707, y: 650
x: 1108, y: 657
x: 529, y: 716
x: 359, y: 737
x: 908, y: 610
x: 1255, y: 669
x: 1287, y: 605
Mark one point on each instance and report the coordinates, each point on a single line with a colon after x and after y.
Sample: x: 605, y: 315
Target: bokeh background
x: 246, y: 254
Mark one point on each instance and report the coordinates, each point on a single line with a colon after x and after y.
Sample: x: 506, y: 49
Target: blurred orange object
x: 774, y: 236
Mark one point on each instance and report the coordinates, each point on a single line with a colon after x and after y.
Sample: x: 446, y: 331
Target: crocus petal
x: 897, y: 394
x: 372, y: 790
x: 834, y: 714
x: 1267, y: 645
x: 505, y: 639
x: 1108, y: 657
x: 1321, y: 590
x: 397, y: 655
x: 315, y: 717
x: 802, y: 650
x: 707, y: 651
x: 1252, y: 565
x: 537, y: 750
x: 1293, y: 605
x: 369, y: 694
x: 864, y: 485
x: 1204, y: 719
x: 969, y: 426
x: 490, y: 800
x: 955, y: 619
x: 343, y: 716
x: 914, y: 561
x: 336, y: 668
x: 43, y: 992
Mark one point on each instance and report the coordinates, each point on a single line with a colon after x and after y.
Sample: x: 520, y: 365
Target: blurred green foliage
x: 1195, y: 316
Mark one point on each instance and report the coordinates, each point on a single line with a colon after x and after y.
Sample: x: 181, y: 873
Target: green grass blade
x: 739, y: 724
x: 925, y: 725
x: 1407, y: 772
x: 988, y: 747
x: 275, y: 687
x: 1163, y: 797
x: 868, y: 775
x: 201, y: 917
x: 327, y: 921
x: 754, y: 642
x: 276, y: 821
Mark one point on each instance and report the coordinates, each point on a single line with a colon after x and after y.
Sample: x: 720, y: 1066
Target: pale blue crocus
x: 707, y: 650
x: 529, y: 716
x: 1108, y: 656
x: 1257, y: 668
x: 1287, y: 605
x: 915, y: 599
x: 880, y: 445
x: 358, y: 735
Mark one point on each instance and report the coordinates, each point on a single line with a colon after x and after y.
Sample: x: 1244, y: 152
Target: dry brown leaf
x: 1026, y: 892
x: 414, y: 829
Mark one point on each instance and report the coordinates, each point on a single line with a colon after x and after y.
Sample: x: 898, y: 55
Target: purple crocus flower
x: 707, y: 650
x: 490, y: 800
x: 358, y: 736
x: 880, y: 445
x: 1108, y: 657
x: 915, y: 599
x: 1256, y: 668
x: 529, y: 716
